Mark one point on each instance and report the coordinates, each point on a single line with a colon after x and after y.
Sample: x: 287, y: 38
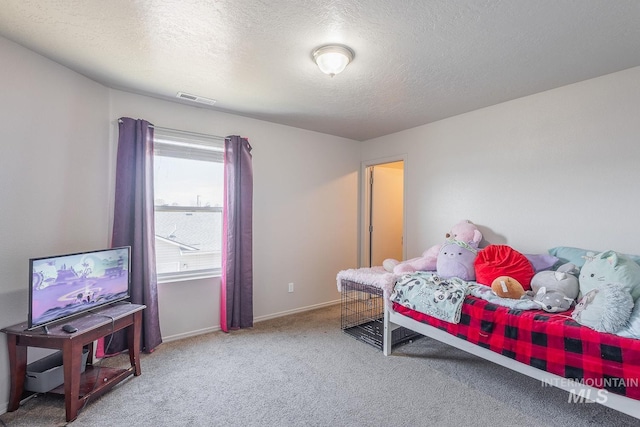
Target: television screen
x: 66, y: 285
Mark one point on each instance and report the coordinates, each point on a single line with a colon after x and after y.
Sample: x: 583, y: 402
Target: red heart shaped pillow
x: 502, y: 260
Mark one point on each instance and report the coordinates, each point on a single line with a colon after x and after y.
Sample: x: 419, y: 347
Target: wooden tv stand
x: 77, y: 387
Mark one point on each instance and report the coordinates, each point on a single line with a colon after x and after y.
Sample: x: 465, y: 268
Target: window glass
x: 188, y: 193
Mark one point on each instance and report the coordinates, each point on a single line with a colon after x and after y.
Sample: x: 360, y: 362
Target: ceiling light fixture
x: 333, y: 59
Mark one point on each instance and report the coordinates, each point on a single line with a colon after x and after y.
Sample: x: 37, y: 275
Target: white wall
x: 58, y: 139
x: 54, y: 146
x: 556, y: 168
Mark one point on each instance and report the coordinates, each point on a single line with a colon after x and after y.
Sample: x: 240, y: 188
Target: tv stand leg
x: 72, y: 359
x: 18, y: 370
x: 133, y: 340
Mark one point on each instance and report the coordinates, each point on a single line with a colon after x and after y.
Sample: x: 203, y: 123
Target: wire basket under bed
x: 362, y: 315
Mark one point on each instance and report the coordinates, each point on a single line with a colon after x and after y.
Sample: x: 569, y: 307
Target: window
x: 188, y: 193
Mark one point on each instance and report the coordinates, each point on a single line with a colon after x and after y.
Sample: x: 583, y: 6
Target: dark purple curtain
x: 236, y: 287
x: 133, y: 225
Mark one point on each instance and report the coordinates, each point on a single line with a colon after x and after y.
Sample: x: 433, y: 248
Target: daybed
x: 597, y: 366
x: 552, y: 347
x: 545, y: 346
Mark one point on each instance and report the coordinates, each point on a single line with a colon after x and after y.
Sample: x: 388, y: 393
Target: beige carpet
x: 301, y: 370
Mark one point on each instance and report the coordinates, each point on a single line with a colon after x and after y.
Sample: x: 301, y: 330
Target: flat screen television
x: 63, y: 286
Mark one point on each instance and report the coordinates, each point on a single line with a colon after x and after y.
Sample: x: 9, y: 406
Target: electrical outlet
x: 290, y: 287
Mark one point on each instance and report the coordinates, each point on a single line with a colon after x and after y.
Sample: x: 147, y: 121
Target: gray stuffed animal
x: 552, y: 301
x: 564, y: 279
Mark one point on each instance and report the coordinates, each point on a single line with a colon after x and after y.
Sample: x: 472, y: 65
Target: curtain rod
x: 185, y: 132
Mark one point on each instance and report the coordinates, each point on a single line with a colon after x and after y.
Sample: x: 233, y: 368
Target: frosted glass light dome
x: 333, y: 59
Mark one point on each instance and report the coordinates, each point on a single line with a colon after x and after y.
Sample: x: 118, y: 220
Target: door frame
x: 363, y: 206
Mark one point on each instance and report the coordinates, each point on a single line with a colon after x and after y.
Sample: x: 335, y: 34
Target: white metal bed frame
x: 393, y: 320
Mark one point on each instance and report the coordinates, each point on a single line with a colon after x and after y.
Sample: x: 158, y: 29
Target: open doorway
x: 383, y: 212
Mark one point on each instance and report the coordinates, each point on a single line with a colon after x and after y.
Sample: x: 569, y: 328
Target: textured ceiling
x: 416, y: 61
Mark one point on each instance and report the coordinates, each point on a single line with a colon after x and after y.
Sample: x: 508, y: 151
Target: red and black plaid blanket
x: 552, y: 342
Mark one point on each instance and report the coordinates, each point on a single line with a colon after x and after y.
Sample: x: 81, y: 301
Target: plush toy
x: 502, y: 260
x: 605, y: 309
x: 456, y: 259
x: 632, y: 330
x: 564, y: 279
x: 426, y: 262
x: 552, y: 301
x: 464, y: 231
x: 610, y: 267
x: 507, y: 287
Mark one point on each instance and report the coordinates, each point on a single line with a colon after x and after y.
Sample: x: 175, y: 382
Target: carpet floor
x: 302, y: 370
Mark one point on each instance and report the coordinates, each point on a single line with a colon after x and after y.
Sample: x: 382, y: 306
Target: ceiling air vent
x: 195, y: 98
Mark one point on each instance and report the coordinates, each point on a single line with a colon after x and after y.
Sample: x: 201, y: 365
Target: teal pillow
x: 576, y: 255
x: 568, y: 254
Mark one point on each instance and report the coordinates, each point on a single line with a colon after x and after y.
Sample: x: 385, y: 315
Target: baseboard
x: 216, y: 328
x: 195, y: 333
x: 296, y: 310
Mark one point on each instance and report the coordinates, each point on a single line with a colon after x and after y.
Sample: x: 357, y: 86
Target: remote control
x: 69, y: 329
